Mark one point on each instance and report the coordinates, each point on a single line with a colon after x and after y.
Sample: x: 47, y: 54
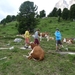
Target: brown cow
x: 44, y: 35
x: 36, y: 53
x: 68, y: 40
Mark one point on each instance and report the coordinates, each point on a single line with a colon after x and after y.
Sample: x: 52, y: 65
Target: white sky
x: 11, y: 7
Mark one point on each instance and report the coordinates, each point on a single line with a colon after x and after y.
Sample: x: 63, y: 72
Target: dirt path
x: 12, y: 47
x: 72, y: 53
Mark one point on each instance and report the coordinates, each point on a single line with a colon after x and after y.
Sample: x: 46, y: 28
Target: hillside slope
x: 50, y: 24
x: 46, y: 25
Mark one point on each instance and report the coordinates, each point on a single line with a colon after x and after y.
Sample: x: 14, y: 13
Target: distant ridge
x: 63, y: 4
x: 71, y: 3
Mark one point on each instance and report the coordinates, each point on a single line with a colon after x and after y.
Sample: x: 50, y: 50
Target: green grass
x: 50, y: 24
x: 9, y: 29
x: 53, y: 64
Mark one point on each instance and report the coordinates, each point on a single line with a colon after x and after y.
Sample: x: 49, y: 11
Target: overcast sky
x: 11, y: 7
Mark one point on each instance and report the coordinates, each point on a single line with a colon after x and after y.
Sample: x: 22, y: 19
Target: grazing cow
x: 36, y: 53
x: 42, y: 35
x: 50, y: 38
x: 68, y: 40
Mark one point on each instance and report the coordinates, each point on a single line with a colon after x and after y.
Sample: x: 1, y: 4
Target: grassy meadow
x: 53, y: 64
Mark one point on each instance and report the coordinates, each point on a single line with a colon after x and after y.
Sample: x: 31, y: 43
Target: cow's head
x: 32, y: 44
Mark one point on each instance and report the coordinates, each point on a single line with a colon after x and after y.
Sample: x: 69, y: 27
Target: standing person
x: 27, y: 38
x: 36, y: 37
x: 58, y: 39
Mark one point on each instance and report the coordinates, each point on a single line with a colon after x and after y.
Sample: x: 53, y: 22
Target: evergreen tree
x: 8, y: 18
x: 26, y: 17
x: 72, y: 12
x: 42, y: 13
x: 59, y: 14
x: 65, y: 14
x: 53, y: 13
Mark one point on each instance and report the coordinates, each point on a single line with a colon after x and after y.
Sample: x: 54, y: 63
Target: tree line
x: 66, y: 14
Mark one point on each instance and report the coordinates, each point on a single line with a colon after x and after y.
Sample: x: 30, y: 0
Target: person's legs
x: 36, y: 41
x: 27, y: 42
x: 60, y: 44
x: 57, y: 46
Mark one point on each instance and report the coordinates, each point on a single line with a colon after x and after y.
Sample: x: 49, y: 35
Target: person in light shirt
x: 36, y: 37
